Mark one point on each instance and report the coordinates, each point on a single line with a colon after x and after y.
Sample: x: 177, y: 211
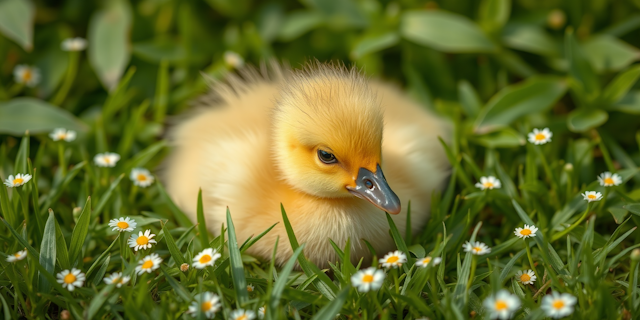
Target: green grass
x: 495, y: 68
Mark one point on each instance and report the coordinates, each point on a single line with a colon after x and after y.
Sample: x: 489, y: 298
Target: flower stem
x: 550, y: 175
x: 573, y: 226
x: 62, y: 163
x: 604, y: 199
x: 68, y: 79
x: 526, y: 245
x: 472, y: 274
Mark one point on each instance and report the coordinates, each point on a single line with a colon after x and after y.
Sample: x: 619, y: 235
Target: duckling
x: 317, y: 141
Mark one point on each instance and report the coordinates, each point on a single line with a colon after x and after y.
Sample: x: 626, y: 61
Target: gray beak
x: 373, y: 187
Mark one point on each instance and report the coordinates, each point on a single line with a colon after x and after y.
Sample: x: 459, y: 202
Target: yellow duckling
x: 316, y: 140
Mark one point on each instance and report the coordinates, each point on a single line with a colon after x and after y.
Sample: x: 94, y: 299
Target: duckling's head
x: 328, y: 134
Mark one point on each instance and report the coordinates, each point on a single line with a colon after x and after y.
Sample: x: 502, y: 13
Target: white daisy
x: 71, y: 278
x: 558, y: 305
x: 539, y: 137
x: 607, y: 179
x: 242, y: 314
x: 591, y: 196
x: 526, y: 232
x: 141, y: 177
x: 233, y: 59
x: 207, y: 303
x: 250, y: 288
x: 502, y: 305
x: 17, y: 181
x: 117, y: 279
x: 393, y: 259
x: 368, y: 279
x: 148, y: 264
x: 477, y: 248
x: 489, y: 182
x: 74, y: 44
x: 142, y: 240
x: 107, y: 159
x: 123, y: 224
x: 62, y: 134
x: 206, y: 257
x: 424, y: 262
x: 27, y: 75
x: 20, y: 255
x: 262, y: 311
x: 526, y: 277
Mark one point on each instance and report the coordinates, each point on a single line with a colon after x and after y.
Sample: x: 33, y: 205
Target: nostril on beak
x: 368, y: 184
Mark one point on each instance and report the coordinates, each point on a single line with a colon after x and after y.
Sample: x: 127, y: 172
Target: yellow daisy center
x: 488, y: 184
x: 608, y: 181
x: 62, y: 136
x: 477, y: 249
x: 27, y: 75
x: 17, y: 255
x: 540, y: 136
x: 525, y: 278
x: 525, y: 232
x: 142, y: 240
x: 558, y: 304
x: 591, y: 196
x: 69, y: 279
x: 426, y: 260
x: 249, y: 288
x: 205, y: 258
x: 106, y: 160
x: 147, y: 264
x: 206, y: 306
x: 242, y: 317
x: 392, y: 259
x: 501, y: 305
x: 18, y: 181
x: 142, y: 177
x: 123, y: 225
x: 116, y: 280
x: 367, y: 278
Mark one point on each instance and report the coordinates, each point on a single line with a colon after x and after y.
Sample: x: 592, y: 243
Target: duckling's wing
x: 414, y: 161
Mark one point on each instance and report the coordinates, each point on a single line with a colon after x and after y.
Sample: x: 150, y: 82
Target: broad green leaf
x: 16, y: 21
x: 21, y: 114
x: 48, y: 252
x: 503, y: 138
x: 158, y: 50
x: 444, y: 31
x: 298, y: 23
x: 581, y: 120
x: 536, y: 94
x: 580, y: 68
x: 237, y: 269
x: 607, y: 53
x: 619, y: 214
x: 340, y: 14
x: 494, y: 14
x: 633, y: 208
x: 621, y: 84
x: 374, y: 43
x: 530, y: 38
x: 79, y: 235
x: 108, y: 38
x: 630, y: 103
x: 469, y: 99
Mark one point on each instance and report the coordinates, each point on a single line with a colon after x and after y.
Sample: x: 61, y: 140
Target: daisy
x: 207, y: 303
x: 242, y: 314
x: 607, y: 179
x: 251, y: 288
x: 233, y: 59
x: 17, y: 181
x: 501, y: 305
x: 123, y: 224
x: 63, y: 134
x: 526, y: 277
x: 477, y: 248
x: 141, y: 177
x: 74, y: 44
x: 424, y: 262
x: 489, y: 182
x: 148, y: 264
x: 262, y: 311
x: 141, y: 240
x: 25, y: 74
x: 526, y: 232
x: 71, y: 278
x: 206, y: 257
x: 393, y: 259
x: 558, y: 305
x: 107, y: 159
x: 368, y: 279
x: 591, y: 196
x: 539, y: 137
x: 20, y: 255
x: 117, y: 279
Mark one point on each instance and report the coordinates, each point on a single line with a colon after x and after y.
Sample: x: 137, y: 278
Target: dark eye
x: 326, y: 157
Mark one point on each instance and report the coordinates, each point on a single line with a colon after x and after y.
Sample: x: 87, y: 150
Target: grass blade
x: 48, y: 252
x: 105, y: 196
x: 283, y: 278
x: 202, y: 223
x: 80, y: 232
x: 171, y: 244
x: 329, y: 311
x: 237, y: 269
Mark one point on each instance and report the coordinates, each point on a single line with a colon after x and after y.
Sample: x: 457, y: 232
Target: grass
x: 573, y: 76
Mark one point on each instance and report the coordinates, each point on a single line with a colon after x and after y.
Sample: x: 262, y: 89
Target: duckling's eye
x: 326, y: 157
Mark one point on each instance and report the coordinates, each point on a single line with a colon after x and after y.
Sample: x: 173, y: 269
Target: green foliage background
x: 496, y: 68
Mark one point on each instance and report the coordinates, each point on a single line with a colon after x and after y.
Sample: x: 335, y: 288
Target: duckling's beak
x: 373, y: 187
